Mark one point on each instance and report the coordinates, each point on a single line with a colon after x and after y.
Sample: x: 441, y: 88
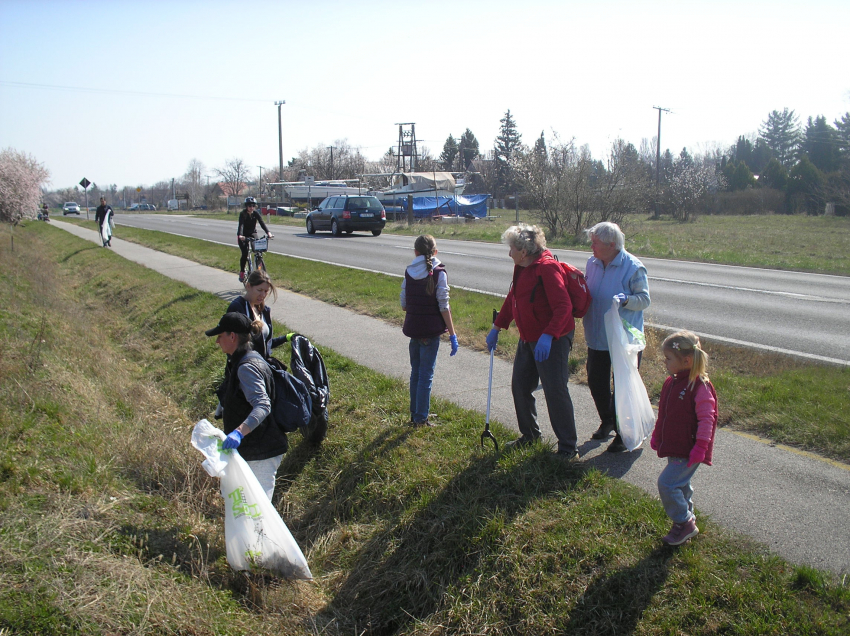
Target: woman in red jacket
x: 540, y: 305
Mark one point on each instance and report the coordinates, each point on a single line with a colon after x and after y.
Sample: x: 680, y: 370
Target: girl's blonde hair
x: 686, y: 343
x: 425, y: 245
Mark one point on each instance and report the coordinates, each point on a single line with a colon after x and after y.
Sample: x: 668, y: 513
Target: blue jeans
x: 423, y: 360
x: 674, y: 488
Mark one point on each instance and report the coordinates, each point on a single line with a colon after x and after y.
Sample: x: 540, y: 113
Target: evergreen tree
x: 774, y: 175
x: 842, y: 131
x: 761, y: 156
x: 805, y: 184
x: 743, y: 151
x: 781, y: 133
x: 820, y: 143
x: 507, y: 143
x: 468, y: 148
x: 450, y: 152
x: 540, y: 147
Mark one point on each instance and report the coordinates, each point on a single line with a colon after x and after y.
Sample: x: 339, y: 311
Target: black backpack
x: 292, y: 406
x: 307, y: 365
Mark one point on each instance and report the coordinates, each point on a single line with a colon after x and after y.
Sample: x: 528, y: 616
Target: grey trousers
x: 554, y: 374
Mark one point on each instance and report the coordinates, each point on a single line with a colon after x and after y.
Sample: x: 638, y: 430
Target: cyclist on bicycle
x: 247, y: 229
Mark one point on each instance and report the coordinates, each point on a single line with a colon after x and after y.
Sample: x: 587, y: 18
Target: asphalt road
x: 792, y: 312
x: 795, y: 503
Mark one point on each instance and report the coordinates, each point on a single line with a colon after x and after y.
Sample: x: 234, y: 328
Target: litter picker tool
x: 487, y: 434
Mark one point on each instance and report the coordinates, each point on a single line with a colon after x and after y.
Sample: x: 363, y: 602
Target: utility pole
x: 261, y: 180
x: 658, y: 157
x: 331, y: 148
x: 280, y: 138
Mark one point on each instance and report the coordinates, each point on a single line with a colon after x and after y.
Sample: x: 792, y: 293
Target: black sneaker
x: 568, y: 456
x: 519, y: 442
x: 617, y: 446
x: 604, y: 431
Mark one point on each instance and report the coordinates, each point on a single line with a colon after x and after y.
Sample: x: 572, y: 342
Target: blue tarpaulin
x: 471, y: 205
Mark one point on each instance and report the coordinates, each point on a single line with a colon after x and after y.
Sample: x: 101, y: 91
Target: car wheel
x: 335, y: 228
x: 310, y: 228
x: 376, y: 232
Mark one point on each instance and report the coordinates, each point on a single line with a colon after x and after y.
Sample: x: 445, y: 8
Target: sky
x: 128, y: 92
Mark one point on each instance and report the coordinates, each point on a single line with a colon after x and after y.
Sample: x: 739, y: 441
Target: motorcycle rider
x: 247, y: 228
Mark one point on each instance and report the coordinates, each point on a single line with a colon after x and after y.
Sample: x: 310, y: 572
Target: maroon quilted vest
x: 423, y: 318
x: 676, y: 428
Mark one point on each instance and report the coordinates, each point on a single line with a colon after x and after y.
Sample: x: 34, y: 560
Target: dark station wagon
x: 348, y: 214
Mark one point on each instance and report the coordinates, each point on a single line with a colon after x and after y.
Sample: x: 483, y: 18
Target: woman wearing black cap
x: 245, y: 403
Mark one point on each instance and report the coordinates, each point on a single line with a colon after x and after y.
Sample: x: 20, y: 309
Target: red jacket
x: 676, y: 427
x: 551, y: 310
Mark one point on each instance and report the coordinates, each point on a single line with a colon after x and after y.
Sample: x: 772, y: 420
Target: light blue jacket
x: 623, y: 275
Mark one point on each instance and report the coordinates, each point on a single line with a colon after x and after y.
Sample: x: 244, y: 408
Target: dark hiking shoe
x: 604, y: 431
x: 519, y: 442
x: 617, y: 446
x: 568, y: 456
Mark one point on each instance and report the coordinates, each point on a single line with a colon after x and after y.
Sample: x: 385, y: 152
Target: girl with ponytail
x: 425, y: 299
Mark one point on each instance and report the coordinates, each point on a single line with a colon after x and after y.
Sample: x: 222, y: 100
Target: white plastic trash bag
x: 635, y: 417
x: 106, y: 229
x: 256, y: 536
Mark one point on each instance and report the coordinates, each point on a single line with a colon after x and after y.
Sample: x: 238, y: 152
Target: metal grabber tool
x: 487, y: 434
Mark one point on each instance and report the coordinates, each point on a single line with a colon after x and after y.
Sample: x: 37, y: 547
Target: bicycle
x: 256, y: 249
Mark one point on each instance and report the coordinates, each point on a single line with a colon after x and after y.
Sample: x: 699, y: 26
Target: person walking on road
x: 247, y: 229
x: 685, y: 429
x: 539, y: 303
x: 103, y: 216
x: 612, y: 273
x: 244, y: 399
x: 253, y: 305
x: 425, y: 300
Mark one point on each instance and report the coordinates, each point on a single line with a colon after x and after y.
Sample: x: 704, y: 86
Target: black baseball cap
x: 231, y: 322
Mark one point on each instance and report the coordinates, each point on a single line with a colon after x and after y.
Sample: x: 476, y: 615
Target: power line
x: 112, y: 91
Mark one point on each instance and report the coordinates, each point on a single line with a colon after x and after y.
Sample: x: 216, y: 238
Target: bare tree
x: 193, y: 182
x: 624, y: 185
x: 21, y: 178
x: 691, y: 186
x: 558, y: 183
x: 234, y: 176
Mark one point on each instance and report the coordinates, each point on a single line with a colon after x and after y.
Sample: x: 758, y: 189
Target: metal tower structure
x: 407, y: 152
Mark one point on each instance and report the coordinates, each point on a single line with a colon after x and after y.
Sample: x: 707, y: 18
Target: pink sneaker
x: 681, y: 532
x: 241, y: 277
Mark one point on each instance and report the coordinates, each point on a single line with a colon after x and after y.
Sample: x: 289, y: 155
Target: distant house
x: 225, y: 190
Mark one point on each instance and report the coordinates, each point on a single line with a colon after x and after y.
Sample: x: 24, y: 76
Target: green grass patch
x: 108, y: 524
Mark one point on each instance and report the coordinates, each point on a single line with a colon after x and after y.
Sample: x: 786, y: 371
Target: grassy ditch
x: 109, y: 525
x: 777, y: 397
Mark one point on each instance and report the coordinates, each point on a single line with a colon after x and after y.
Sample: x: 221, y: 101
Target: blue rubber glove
x: 232, y: 441
x: 492, y: 339
x: 544, y: 345
x: 622, y: 299
x: 453, y: 340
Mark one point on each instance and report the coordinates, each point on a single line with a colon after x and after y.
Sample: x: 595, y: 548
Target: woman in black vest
x: 244, y: 397
x: 425, y: 299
